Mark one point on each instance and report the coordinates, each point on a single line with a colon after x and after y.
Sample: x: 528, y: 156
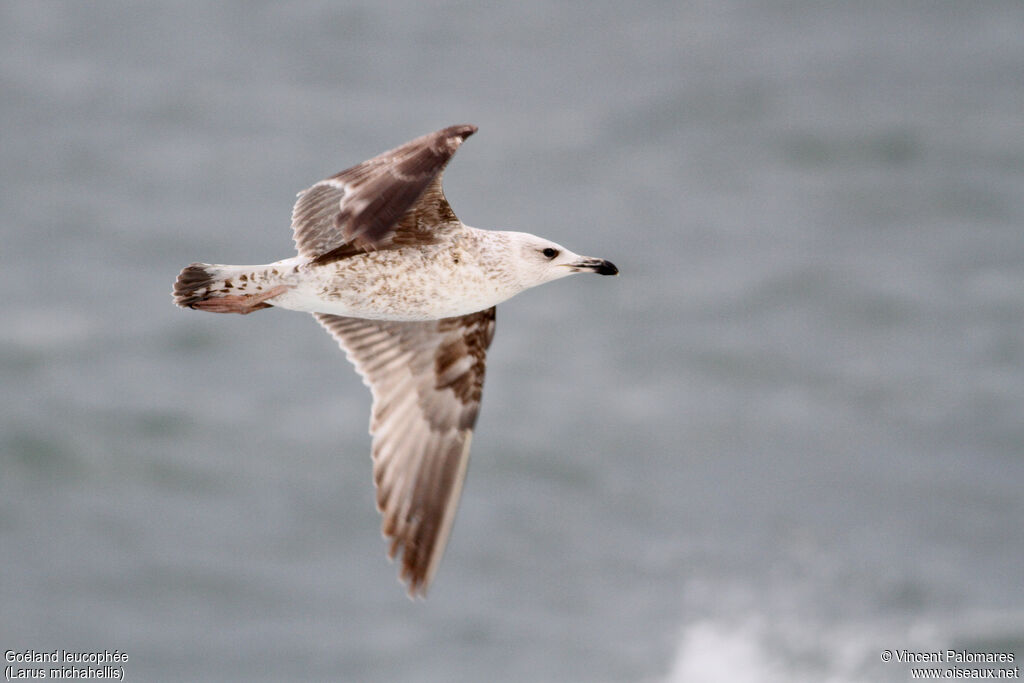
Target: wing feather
x: 392, y: 199
x: 427, y: 380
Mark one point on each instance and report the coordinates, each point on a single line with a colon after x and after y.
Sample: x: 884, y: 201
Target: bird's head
x: 538, y: 260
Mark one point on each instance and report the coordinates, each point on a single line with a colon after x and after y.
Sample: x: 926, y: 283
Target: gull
x: 409, y: 293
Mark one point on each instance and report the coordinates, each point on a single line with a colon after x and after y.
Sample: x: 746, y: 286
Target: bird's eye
x: 550, y: 253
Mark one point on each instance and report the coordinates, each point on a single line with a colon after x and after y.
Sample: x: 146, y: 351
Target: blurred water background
x: 788, y: 437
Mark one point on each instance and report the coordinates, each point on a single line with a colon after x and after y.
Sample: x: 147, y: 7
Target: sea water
x: 787, y: 438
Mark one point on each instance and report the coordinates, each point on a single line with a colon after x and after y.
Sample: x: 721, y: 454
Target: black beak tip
x: 606, y: 268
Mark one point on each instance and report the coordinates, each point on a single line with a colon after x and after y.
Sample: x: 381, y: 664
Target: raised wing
x: 395, y: 196
x: 426, y: 378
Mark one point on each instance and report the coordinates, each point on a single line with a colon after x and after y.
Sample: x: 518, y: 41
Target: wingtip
x: 460, y: 131
x: 415, y: 592
x: 416, y: 585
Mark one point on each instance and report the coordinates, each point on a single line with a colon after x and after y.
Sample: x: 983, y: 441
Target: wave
x: 758, y: 649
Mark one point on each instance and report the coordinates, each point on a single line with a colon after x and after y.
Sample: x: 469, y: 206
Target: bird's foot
x: 240, y: 303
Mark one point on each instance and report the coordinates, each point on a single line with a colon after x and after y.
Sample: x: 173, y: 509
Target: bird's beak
x: 593, y: 265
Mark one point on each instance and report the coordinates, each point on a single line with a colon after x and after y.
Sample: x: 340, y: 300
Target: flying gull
x: 409, y: 293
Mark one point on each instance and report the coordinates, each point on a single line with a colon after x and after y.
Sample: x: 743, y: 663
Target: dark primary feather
x: 393, y: 198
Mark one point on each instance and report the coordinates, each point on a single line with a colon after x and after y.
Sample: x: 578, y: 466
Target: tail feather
x: 218, y: 288
x: 223, y: 289
x: 195, y: 284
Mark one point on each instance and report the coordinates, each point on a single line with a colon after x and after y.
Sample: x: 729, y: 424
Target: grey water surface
x: 788, y: 437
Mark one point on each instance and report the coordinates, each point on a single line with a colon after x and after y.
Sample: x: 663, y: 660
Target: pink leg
x: 240, y: 303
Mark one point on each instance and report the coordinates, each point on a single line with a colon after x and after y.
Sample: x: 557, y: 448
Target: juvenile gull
x: 409, y: 293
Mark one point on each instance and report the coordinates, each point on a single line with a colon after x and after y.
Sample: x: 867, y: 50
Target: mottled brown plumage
x: 408, y: 291
x: 392, y: 199
x: 426, y: 379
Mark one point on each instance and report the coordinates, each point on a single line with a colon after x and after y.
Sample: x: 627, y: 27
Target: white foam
x: 755, y: 649
x: 711, y: 651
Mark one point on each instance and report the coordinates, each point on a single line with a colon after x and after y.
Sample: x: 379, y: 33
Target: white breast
x: 401, y: 284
